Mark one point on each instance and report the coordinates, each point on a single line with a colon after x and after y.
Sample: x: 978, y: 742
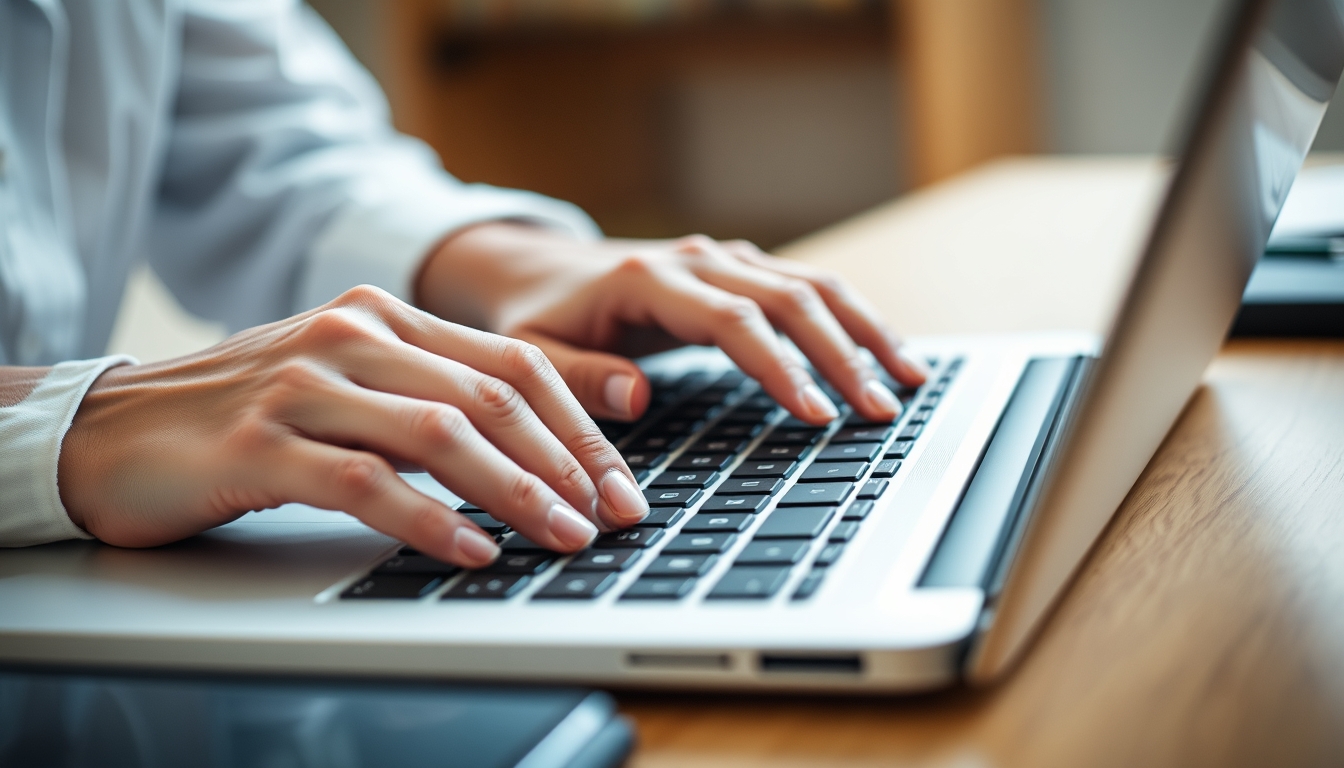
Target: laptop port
x: 849, y: 664
x: 688, y: 661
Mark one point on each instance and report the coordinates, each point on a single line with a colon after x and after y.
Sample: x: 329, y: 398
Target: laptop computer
x: 876, y: 557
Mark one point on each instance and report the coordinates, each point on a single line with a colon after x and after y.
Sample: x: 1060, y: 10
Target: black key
x: 730, y: 431
x: 700, y: 543
x: 910, y: 431
x: 393, y: 586
x: 681, y: 565
x: 661, y: 517
x: 693, y: 411
x: 746, y: 416
x: 659, y: 589
x: 692, y: 479
x: 655, y: 443
x: 829, y: 554
x: 643, y: 459
x: 487, y: 586
x: 576, y: 586
x: 759, y: 401
x: 729, y: 381
x: 899, y: 449
x: 641, y: 475
x: 793, y: 436
x: 678, y: 426
x: 749, y: 486
x: 603, y: 560
x: 672, y: 497
x: 710, y: 522
x: 859, y: 510
x: 931, y: 401
x: 921, y: 416
x: 486, y: 523
x: 640, y: 538
x: 850, y: 452
x: 872, y: 489
x: 855, y: 420
x: 708, y: 397
x: 777, y: 453
x: 718, y: 445
x: 878, y: 434
x: 752, y: 504
x: 747, y: 583
x: 795, y: 523
x: 765, y: 469
x: 843, y: 531
x: 416, y: 564
x: 713, y: 461
x: 808, y: 585
x: 834, y: 472
x: 783, y: 552
x: 520, y: 563
x: 614, y: 430
x: 817, y: 494
x: 886, y: 468
x: 520, y: 543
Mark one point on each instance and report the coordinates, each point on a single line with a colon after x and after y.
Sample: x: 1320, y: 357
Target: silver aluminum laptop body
x: 1033, y: 442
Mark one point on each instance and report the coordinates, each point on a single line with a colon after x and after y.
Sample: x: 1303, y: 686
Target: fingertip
x: 914, y: 371
x: 626, y: 394
x: 816, y: 407
x: 475, y: 549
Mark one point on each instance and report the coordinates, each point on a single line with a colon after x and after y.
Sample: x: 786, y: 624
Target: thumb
x: 607, y: 386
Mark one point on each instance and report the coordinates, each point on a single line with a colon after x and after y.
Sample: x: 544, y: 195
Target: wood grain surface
x: 1207, y: 627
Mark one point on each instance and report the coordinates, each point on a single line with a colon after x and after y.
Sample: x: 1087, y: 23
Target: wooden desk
x: 1207, y: 628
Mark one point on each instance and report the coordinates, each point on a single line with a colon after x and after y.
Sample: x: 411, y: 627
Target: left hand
x: 590, y: 306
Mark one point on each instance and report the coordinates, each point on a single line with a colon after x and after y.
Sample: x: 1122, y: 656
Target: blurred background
x: 761, y: 119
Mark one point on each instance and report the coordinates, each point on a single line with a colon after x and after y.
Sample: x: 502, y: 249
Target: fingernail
x: 475, y: 546
x: 818, y: 404
x: 915, y: 364
x: 572, y: 529
x: 623, y: 497
x: 618, y: 391
x: 880, y: 398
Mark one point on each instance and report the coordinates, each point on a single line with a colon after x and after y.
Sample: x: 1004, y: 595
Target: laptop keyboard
x: 730, y: 478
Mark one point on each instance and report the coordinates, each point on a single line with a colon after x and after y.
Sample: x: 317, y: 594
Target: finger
x: 658, y: 293
x: 795, y: 307
x: 442, y: 439
x: 607, y: 386
x: 365, y: 486
x: 855, y: 313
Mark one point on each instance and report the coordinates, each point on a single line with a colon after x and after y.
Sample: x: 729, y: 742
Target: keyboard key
x: 416, y: 564
x: 678, y: 426
x: 875, y: 434
x: 748, y: 583
x: 765, y: 469
x: 759, y: 401
x: 850, y: 452
x: 795, y: 523
x: 393, y: 586
x: 718, y: 445
x: 931, y: 401
x: 785, y: 552
x: 855, y: 420
x: 692, y: 479
x: 752, y: 504
x: 910, y: 431
x: 844, y: 531
x: 603, y: 560
x: 859, y: 510
x: 520, y: 543
x: 872, y: 489
x: 749, y: 486
x: 829, y: 554
x: 817, y: 494
x: 520, y: 563
x: 729, y: 381
x: 808, y: 585
x: 486, y: 523
x: 659, y: 589
x: 487, y: 586
x: 713, y: 461
x: 694, y: 411
x: 681, y: 565
x: 886, y: 468
x: 640, y: 538
x: 746, y: 416
x: 643, y: 459
x: 899, y: 449
x: 661, y: 517
x: 657, y: 443
x: 672, y: 497
x: 921, y: 416
x: 731, y: 431
x: 576, y: 586
x: 806, y: 436
x: 700, y: 543
x: 709, y: 522
x: 777, y: 453
x: 836, y: 472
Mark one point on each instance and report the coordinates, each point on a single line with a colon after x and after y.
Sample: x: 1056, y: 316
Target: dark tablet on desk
x: 62, y: 719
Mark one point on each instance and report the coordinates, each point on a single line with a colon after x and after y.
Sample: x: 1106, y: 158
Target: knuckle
x: 524, y: 361
x: 336, y: 326
x: 426, y: 522
x: 737, y: 311
x: 829, y: 283
x: 637, y: 264
x: 589, y: 443
x: 440, y: 426
x: 572, y: 481
x: 365, y: 296
x: 691, y: 244
x: 498, y: 400
x: 524, y: 492
x: 796, y: 294
x: 361, y: 475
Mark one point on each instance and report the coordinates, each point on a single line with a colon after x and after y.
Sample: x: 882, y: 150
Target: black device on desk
x: 1297, y: 290
x: 52, y: 718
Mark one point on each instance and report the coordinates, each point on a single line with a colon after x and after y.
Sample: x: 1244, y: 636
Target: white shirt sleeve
x: 31, y: 433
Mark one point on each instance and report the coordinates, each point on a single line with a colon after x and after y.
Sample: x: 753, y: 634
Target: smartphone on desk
x: 63, y: 718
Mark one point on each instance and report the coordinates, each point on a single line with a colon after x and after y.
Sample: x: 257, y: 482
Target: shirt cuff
x: 31, y: 433
x: 383, y: 235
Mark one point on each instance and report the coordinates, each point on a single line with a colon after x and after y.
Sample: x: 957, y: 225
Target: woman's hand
x: 591, y: 305
x: 315, y: 409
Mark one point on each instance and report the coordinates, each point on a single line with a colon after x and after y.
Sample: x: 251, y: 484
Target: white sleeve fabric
x: 283, y: 181
x: 31, y: 433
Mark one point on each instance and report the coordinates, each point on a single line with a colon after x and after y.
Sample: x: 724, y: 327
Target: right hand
x: 314, y: 409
